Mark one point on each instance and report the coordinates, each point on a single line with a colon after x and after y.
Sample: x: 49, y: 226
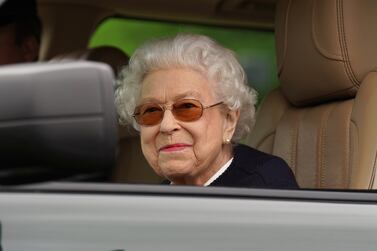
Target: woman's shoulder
x: 251, y: 157
x: 273, y: 170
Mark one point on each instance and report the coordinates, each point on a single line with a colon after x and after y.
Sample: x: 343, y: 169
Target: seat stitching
x: 345, y: 167
x: 321, y: 169
x: 294, y: 145
x: 373, y: 173
x: 282, y: 64
x: 351, y: 162
x: 322, y: 50
x: 347, y: 162
x: 343, y: 44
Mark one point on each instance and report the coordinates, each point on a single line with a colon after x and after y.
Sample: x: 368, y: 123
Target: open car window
x: 60, y: 140
x: 255, y: 48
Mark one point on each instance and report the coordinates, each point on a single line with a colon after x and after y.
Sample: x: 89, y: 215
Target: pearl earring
x: 227, y: 141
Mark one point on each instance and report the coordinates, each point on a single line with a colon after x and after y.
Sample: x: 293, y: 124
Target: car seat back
x: 56, y: 121
x: 322, y: 118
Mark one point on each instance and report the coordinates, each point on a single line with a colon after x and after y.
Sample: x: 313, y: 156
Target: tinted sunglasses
x: 185, y: 110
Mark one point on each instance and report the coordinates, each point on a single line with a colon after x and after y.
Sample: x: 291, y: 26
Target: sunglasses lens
x: 187, y: 110
x: 149, y: 114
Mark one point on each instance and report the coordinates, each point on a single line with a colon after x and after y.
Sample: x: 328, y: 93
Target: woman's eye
x: 187, y: 105
x: 151, y: 109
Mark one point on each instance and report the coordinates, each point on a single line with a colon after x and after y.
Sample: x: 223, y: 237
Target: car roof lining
x: 241, y: 13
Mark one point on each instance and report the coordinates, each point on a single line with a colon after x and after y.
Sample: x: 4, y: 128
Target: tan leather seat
x: 131, y: 165
x: 322, y: 120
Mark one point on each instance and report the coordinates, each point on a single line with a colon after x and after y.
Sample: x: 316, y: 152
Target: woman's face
x: 185, y: 152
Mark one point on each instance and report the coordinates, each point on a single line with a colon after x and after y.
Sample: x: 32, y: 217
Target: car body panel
x: 151, y: 218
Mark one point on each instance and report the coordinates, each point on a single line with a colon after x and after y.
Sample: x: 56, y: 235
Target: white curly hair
x: 196, y: 52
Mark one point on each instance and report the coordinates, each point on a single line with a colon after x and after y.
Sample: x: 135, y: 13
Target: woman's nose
x: 168, y: 123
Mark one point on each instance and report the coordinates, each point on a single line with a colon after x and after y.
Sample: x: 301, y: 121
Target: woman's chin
x: 176, y: 171
x: 176, y: 164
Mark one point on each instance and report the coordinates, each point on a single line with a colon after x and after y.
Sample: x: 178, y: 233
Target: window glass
x: 255, y: 48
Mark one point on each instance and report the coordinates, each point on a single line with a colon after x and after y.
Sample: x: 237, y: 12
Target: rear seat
x: 131, y: 166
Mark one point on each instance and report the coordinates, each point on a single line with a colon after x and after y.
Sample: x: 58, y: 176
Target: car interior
x: 320, y: 119
x: 83, y: 18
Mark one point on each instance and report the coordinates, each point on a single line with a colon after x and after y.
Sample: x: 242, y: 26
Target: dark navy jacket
x: 253, y: 168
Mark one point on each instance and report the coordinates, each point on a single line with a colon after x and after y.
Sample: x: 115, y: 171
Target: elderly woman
x: 188, y: 97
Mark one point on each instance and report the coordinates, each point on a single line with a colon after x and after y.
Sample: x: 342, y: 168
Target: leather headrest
x: 325, y: 48
x: 112, y: 56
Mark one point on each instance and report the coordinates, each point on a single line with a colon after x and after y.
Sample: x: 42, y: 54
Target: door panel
x: 94, y: 222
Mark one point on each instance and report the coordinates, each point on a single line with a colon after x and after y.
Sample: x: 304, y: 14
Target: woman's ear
x: 231, y: 120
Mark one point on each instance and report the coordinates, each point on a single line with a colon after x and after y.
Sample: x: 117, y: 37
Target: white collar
x: 218, y: 173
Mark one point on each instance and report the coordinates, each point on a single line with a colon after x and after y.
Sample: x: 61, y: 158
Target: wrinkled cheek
x: 152, y: 159
x: 206, y: 154
x: 151, y: 156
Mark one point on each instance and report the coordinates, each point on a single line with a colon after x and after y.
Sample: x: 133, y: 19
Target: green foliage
x: 255, y: 49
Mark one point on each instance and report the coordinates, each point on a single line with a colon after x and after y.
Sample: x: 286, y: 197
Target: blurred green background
x: 255, y: 48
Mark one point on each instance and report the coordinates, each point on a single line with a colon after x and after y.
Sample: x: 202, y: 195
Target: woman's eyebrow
x: 149, y: 100
x: 188, y: 94
x: 191, y: 94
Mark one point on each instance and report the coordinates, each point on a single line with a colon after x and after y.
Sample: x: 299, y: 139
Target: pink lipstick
x: 174, y: 147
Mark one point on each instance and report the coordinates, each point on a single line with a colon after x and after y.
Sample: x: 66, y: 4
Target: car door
x: 99, y: 217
